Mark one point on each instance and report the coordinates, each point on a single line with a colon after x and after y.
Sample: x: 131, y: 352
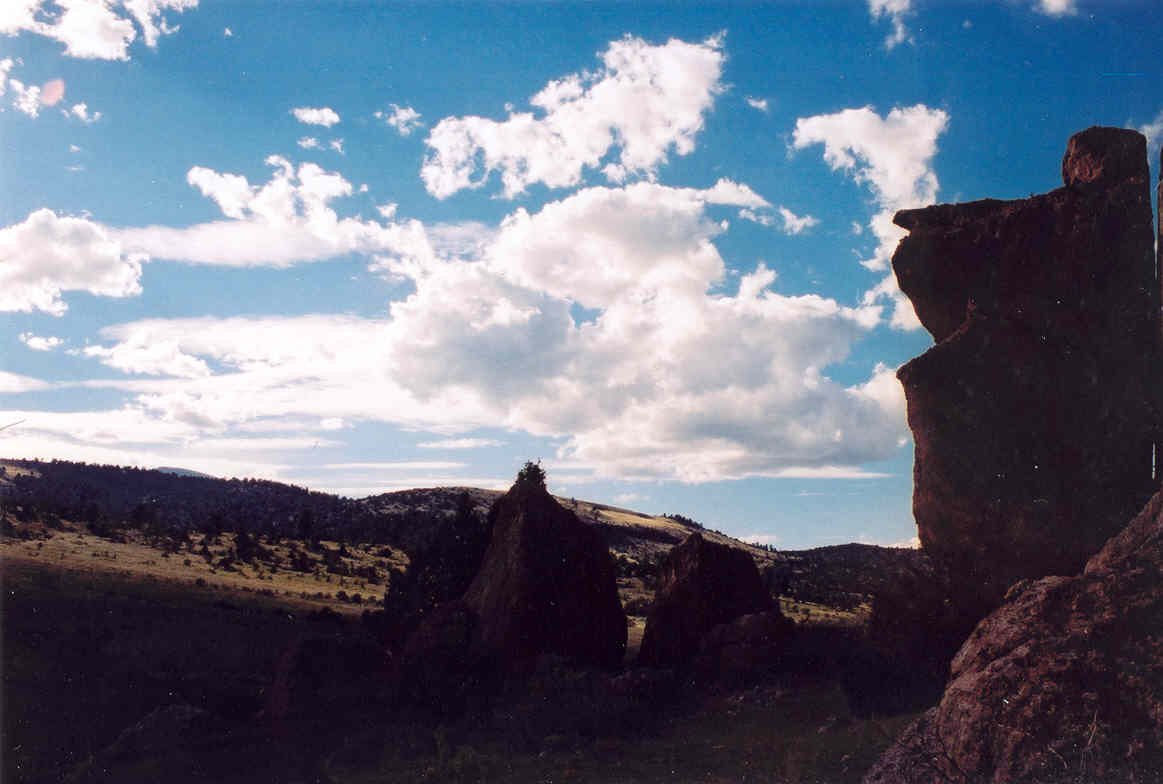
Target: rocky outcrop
x: 746, y: 647
x: 703, y: 584
x: 1036, y: 414
x: 1064, y: 682
x: 546, y: 584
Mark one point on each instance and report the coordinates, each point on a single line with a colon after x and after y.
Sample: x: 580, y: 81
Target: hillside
x: 144, y: 506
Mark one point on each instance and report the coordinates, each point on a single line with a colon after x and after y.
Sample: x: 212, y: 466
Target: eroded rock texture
x: 1035, y: 415
x: 703, y: 584
x: 546, y: 585
x: 1064, y: 682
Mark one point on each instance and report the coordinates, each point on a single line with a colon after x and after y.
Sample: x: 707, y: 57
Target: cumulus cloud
x: 644, y: 100
x: 308, y: 143
x: 93, y: 29
x: 671, y: 378
x: 892, y: 156
x: 759, y: 104
x: 1056, y: 7
x: 796, y: 224
x: 80, y: 111
x: 308, y: 115
x: 25, y: 98
x: 896, y: 12
x: 47, y: 254
x: 404, y: 119
x: 1154, y: 133
x: 40, y: 342
x: 287, y: 220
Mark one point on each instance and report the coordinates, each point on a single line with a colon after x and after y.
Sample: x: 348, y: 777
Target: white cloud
x: 760, y: 539
x: 6, y: 66
x: 1056, y: 7
x: 1154, y: 133
x: 227, y: 32
x: 796, y: 224
x: 762, y: 218
x: 645, y: 100
x: 336, y: 145
x: 759, y: 104
x: 25, y: 98
x: 893, y: 156
x: 47, y: 254
x: 896, y: 11
x: 80, y: 111
x: 40, y: 343
x: 92, y: 29
x: 14, y: 383
x: 282, y: 222
x: 460, y: 443
x: 667, y: 381
x: 404, y: 119
x: 308, y: 143
x: 324, y: 116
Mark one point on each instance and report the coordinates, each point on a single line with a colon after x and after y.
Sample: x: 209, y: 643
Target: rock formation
x: 746, y: 647
x: 1036, y: 415
x: 1063, y: 683
x: 703, y: 584
x: 547, y: 584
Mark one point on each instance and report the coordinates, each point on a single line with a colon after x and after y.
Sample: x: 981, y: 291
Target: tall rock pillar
x: 1036, y: 415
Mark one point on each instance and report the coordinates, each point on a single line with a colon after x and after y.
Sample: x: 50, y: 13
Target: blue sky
x: 362, y: 247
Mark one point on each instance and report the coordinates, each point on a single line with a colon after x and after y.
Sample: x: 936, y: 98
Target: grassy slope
x: 70, y: 548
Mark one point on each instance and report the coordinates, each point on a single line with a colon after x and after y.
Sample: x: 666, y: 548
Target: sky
x: 363, y: 246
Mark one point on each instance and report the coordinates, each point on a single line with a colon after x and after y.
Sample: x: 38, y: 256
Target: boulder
x: 546, y: 584
x: 745, y: 647
x: 1064, y: 682
x: 1036, y: 414
x: 703, y: 584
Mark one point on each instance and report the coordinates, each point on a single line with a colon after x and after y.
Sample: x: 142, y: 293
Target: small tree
x: 531, y: 475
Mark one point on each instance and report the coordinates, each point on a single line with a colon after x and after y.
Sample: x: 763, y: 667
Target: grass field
x: 347, y: 587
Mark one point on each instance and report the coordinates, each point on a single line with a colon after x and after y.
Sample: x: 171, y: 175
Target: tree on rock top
x: 531, y: 476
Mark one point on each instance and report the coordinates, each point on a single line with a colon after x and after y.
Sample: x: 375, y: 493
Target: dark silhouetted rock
x: 703, y: 584
x: 546, y: 584
x: 1064, y: 682
x: 1036, y: 413
x: 326, y: 674
x: 444, y: 665
x: 746, y: 647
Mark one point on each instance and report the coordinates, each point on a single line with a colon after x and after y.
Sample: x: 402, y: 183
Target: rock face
x: 1064, y: 682
x: 704, y: 584
x: 1036, y: 414
x: 546, y: 584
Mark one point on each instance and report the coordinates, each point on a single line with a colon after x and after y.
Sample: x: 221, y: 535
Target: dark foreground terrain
x: 172, y: 628
x: 90, y: 658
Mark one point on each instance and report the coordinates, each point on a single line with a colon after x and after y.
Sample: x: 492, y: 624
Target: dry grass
x: 72, y: 549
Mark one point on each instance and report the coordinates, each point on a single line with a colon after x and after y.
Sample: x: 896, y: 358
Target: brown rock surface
x: 1036, y: 413
x: 1064, y: 682
x: 547, y: 584
x: 703, y: 584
